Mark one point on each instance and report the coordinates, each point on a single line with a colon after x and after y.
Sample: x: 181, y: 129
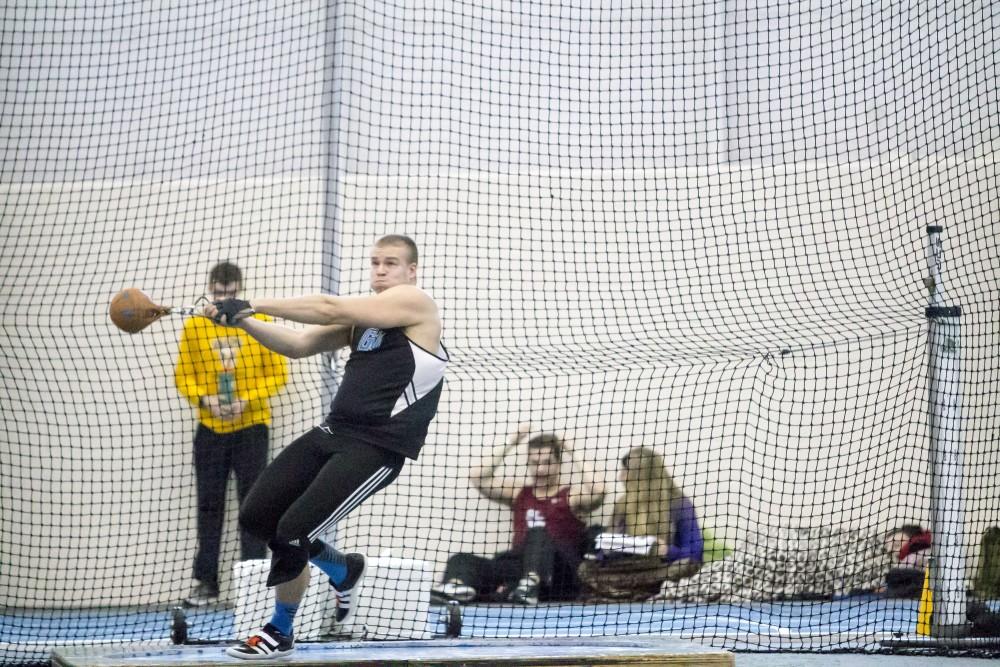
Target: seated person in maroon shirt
x: 549, y: 529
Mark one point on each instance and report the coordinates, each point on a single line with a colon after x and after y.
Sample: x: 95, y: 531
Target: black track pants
x: 314, y: 483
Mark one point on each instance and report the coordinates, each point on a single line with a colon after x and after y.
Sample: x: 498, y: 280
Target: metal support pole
x: 947, y: 577
x: 330, y: 257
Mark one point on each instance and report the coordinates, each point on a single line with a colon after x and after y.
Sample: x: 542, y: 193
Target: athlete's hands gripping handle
x: 230, y: 311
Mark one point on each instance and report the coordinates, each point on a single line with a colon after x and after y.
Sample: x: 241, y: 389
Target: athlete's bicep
x: 324, y: 338
x: 401, y: 306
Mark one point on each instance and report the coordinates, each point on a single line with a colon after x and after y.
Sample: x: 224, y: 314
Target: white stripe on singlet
x: 366, y: 489
x: 428, y: 369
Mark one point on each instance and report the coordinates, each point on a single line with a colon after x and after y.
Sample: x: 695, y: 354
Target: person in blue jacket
x: 653, y: 505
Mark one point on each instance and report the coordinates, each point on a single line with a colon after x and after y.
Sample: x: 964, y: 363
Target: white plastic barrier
x: 255, y: 601
x: 394, y: 599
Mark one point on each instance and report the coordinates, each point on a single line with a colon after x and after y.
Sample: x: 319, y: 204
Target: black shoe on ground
x: 202, y: 595
x: 347, y: 591
x: 454, y: 590
x: 526, y: 592
x: 264, y: 644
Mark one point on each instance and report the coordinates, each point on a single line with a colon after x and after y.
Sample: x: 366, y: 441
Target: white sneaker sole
x: 202, y: 602
x: 234, y: 653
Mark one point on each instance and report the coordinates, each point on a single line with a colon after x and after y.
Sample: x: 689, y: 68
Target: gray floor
x: 190, y: 656
x: 846, y: 660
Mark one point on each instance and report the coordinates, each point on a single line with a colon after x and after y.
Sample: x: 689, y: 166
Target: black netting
x: 698, y: 228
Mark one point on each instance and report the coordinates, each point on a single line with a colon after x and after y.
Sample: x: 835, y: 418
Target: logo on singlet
x: 534, y: 519
x: 370, y: 340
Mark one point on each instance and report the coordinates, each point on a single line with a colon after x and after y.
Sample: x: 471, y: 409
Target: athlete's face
x: 391, y: 265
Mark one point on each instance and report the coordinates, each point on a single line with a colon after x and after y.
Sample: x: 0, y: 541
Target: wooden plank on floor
x: 643, y: 651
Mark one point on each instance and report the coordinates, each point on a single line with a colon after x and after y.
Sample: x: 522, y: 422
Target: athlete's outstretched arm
x: 399, y: 306
x: 294, y: 343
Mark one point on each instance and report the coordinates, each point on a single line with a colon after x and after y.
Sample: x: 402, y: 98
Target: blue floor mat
x: 846, y: 623
x: 861, y: 615
x: 857, y: 616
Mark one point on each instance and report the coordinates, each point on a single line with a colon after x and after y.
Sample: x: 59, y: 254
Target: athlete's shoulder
x: 410, y: 292
x: 416, y: 300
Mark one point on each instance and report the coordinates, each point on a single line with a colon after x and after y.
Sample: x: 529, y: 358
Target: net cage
x: 695, y: 227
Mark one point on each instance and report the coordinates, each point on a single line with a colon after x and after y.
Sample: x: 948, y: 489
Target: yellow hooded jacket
x: 215, y: 360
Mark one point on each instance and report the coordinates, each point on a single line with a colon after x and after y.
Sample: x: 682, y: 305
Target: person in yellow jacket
x: 229, y: 377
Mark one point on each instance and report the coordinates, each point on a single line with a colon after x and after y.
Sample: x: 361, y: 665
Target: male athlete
x: 379, y: 417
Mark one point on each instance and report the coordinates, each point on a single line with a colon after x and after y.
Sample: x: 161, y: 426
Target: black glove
x: 231, y: 311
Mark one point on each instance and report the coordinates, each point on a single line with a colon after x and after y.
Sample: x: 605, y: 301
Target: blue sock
x: 284, y: 616
x: 330, y: 561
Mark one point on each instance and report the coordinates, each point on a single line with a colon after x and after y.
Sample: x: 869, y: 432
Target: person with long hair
x: 653, y: 505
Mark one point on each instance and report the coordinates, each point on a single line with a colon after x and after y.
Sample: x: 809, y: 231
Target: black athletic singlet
x: 390, y: 391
